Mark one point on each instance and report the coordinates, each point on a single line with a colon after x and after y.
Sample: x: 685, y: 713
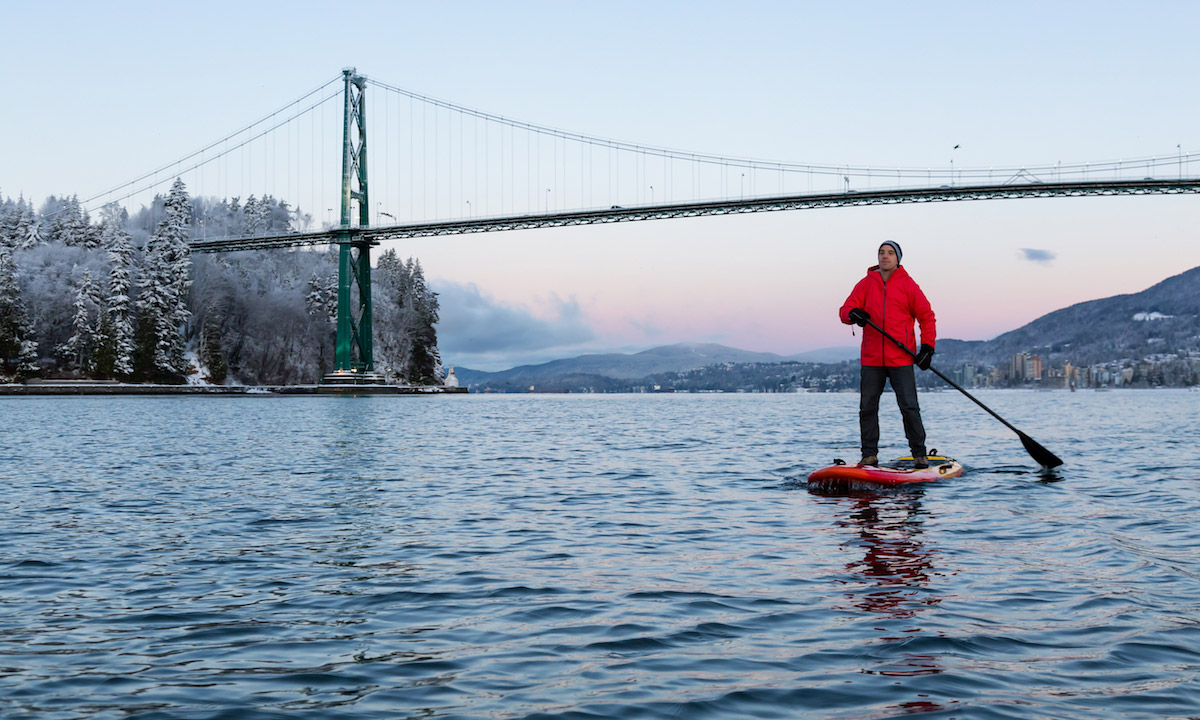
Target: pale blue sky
x: 96, y: 94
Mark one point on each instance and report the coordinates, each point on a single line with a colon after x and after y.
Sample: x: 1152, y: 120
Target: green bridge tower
x: 354, y: 357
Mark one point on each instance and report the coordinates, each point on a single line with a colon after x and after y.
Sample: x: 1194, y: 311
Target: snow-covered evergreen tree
x: 277, y: 215
x: 82, y: 232
x: 268, y: 317
x: 405, y: 311
x: 31, y: 226
x: 321, y: 299
x: 394, y: 317
x: 68, y: 223
x: 234, y: 224
x: 80, y: 348
x: 272, y: 329
x: 266, y: 211
x: 50, y: 217
x: 211, y: 353
x: 18, y: 351
x: 256, y: 216
x: 115, y: 344
x: 166, y: 276
x: 10, y: 218
x: 425, y: 365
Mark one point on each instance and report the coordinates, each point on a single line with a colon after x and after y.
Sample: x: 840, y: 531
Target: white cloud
x: 478, y: 331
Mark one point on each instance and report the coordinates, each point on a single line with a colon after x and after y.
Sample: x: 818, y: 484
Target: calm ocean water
x: 593, y: 557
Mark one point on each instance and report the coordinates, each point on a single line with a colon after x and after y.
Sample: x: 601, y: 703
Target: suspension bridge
x: 438, y: 168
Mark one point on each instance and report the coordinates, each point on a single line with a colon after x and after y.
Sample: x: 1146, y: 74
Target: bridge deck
x: 374, y: 234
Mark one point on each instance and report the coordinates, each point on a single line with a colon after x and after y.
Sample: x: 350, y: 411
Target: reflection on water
x: 893, y: 573
x: 895, y: 558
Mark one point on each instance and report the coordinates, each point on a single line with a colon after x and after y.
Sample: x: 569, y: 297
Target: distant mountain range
x: 680, y: 357
x: 1163, y: 319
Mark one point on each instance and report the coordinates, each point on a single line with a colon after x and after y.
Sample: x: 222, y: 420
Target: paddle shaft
x: 1039, y: 453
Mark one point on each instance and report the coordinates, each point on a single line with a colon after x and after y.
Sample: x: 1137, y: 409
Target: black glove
x: 923, y: 357
x: 859, y: 317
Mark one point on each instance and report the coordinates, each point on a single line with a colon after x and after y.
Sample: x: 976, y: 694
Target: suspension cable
x: 779, y: 166
x: 214, y: 144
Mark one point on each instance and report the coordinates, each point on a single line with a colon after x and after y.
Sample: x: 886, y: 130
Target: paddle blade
x: 1041, y: 455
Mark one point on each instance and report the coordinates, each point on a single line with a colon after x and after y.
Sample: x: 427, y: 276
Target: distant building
x: 451, y: 380
x: 968, y: 377
x: 1017, y: 367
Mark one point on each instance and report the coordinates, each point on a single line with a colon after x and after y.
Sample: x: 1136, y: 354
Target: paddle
x: 1041, y: 455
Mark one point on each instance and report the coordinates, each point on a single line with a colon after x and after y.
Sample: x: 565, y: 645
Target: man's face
x: 887, y: 258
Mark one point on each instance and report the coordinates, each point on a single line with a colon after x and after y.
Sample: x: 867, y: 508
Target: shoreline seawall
x: 102, y: 388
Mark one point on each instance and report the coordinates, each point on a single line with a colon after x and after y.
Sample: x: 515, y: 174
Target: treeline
x: 788, y: 376
x: 123, y: 298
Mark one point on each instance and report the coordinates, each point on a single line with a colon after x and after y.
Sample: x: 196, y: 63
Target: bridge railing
x: 891, y: 196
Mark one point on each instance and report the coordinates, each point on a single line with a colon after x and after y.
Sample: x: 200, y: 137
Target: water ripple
x: 592, y: 557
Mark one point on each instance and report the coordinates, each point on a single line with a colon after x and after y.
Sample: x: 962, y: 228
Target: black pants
x: 904, y: 384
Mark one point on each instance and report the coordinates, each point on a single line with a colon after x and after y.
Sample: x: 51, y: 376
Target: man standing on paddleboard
x: 889, y: 298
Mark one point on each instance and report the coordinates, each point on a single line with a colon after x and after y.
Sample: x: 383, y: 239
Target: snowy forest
x: 123, y: 298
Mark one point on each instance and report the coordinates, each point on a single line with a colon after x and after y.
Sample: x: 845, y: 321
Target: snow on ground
x: 1143, y: 316
x: 197, y: 373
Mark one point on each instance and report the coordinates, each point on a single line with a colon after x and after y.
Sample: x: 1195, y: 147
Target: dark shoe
x: 920, y: 461
x: 869, y: 460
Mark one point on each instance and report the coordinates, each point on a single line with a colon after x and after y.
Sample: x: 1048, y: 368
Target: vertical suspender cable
x: 475, y: 158
x: 424, y: 159
x: 387, y: 154
x: 512, y: 168
x: 399, y: 154
x: 461, y: 179
x: 503, y: 168
x: 487, y: 167
x: 412, y: 163
x: 436, y: 165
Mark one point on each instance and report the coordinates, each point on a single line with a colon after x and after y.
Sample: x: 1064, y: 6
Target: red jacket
x: 893, y: 306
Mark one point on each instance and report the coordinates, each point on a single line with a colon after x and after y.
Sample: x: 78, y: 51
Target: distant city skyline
x: 110, y: 91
